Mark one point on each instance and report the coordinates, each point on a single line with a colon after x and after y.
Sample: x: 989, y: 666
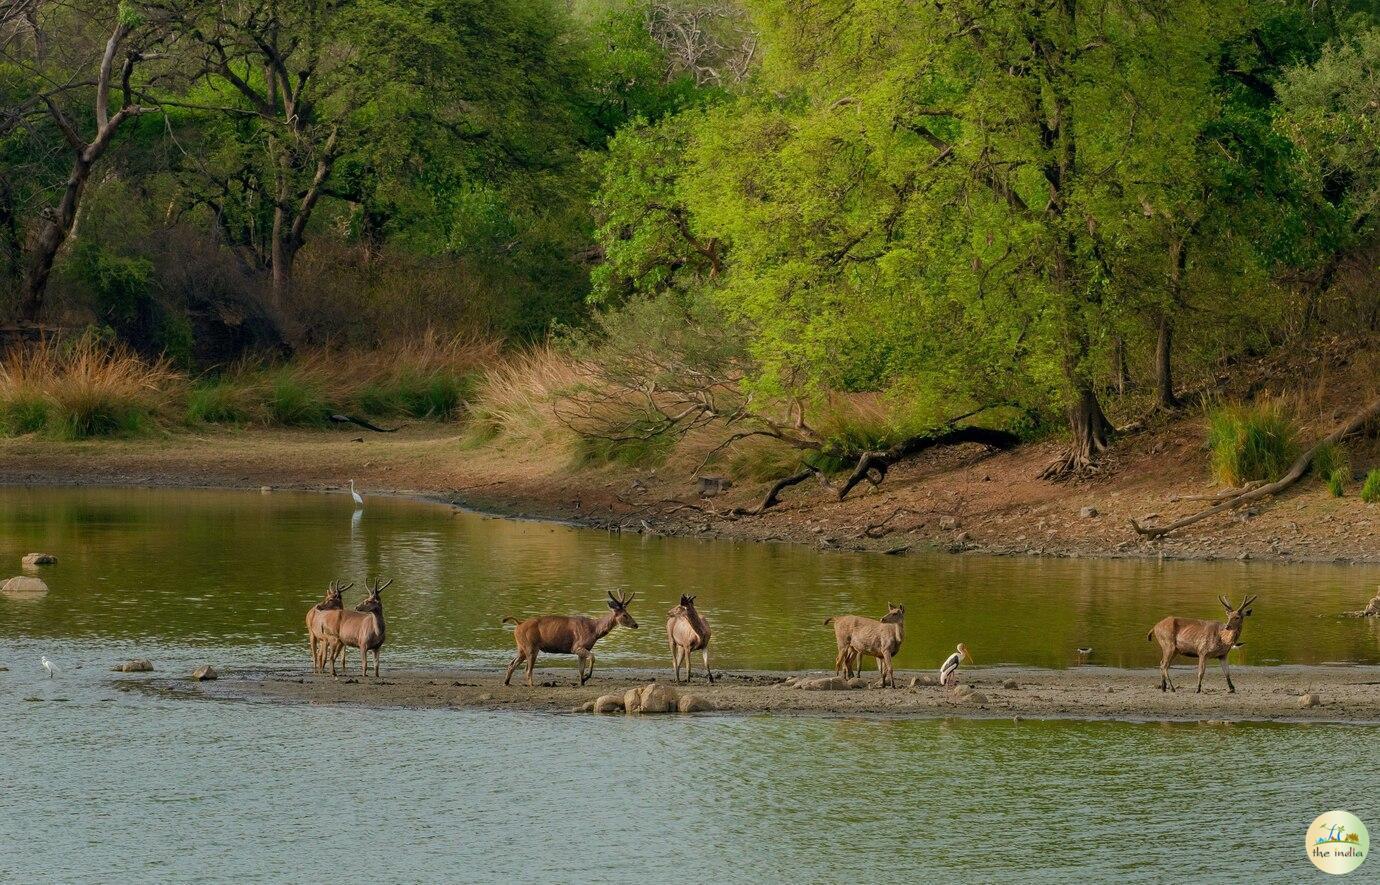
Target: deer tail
x: 1150, y: 637
x: 828, y: 621
x: 509, y: 619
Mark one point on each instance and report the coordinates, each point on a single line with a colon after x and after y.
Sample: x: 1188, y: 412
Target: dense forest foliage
x: 1004, y: 212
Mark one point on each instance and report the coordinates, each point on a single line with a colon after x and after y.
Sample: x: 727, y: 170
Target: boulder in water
x: 24, y: 585
x: 632, y: 700
x: 204, y: 673
x: 658, y: 698
x: 138, y: 665
x: 693, y: 703
x: 32, y: 560
x: 609, y: 703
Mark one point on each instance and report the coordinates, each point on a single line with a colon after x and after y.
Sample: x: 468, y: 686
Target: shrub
x: 1336, y: 481
x: 296, y: 401
x: 1370, y: 490
x: 630, y: 441
x: 222, y: 401
x: 416, y: 396
x: 22, y: 411
x: 1328, y: 459
x: 1251, y: 442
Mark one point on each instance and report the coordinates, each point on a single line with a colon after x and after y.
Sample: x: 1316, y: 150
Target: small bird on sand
x: 950, y: 665
x: 49, y: 666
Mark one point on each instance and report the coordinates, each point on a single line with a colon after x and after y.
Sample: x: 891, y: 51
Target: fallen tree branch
x: 773, y: 494
x: 1219, y: 496
x: 873, y: 466
x: 1296, y: 472
x: 349, y: 419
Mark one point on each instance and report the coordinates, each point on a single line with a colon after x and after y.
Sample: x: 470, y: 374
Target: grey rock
x: 658, y: 698
x: 632, y: 700
x: 1312, y: 699
x: 205, y: 673
x: 1087, y: 512
x: 36, y: 559
x: 138, y: 665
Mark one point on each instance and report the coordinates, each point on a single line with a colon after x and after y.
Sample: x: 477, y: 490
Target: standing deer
x: 566, y: 635
x: 1197, y: 638
x: 317, y: 638
x: 362, y: 628
x: 687, y: 631
x: 857, y: 636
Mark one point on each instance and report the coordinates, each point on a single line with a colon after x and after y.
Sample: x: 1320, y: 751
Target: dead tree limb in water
x: 873, y: 466
x: 1296, y: 472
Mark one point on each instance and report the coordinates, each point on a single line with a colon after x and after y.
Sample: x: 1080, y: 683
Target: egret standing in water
x: 49, y: 666
x: 359, y: 501
x: 950, y: 665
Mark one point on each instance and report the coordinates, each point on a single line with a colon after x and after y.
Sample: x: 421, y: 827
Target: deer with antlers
x: 687, y: 631
x: 362, y: 628
x: 317, y: 637
x: 567, y: 635
x: 1201, y: 639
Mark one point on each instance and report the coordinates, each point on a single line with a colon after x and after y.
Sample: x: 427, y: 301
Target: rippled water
x: 106, y: 785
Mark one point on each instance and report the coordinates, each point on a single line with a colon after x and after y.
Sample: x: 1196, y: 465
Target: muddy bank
x: 961, y: 500
x: 1267, y: 694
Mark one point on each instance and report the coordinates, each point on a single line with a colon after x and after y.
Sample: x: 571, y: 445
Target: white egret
x: 359, y: 501
x: 49, y: 666
x: 950, y: 665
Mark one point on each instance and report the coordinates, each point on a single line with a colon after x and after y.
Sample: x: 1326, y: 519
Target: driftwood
x: 873, y: 466
x: 774, y: 493
x: 1296, y: 472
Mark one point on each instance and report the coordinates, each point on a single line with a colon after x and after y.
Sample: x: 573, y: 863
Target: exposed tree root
x: 349, y: 419
x: 773, y: 494
x: 1219, y: 496
x: 1296, y: 472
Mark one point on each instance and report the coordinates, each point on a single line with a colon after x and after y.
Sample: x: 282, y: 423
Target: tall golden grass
x: 519, y: 397
x: 81, y: 388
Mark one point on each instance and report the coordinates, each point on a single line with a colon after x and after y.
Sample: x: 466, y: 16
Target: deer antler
x: 379, y: 588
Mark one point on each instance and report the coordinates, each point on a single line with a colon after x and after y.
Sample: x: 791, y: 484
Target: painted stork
x: 950, y: 665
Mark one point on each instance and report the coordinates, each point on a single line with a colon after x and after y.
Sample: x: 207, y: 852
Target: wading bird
x: 49, y: 666
x: 359, y: 501
x: 950, y: 665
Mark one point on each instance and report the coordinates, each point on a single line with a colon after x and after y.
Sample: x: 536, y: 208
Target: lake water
x: 105, y: 785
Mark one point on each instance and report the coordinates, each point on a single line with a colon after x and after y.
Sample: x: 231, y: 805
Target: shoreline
x: 932, y: 506
x: 1346, y: 694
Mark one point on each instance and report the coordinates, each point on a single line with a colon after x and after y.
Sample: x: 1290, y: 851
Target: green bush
x: 632, y: 443
x: 84, y: 417
x: 1336, y: 481
x: 1370, y: 491
x: 296, y: 402
x: 221, y: 401
x: 1328, y: 458
x: 436, y: 395
x: 23, y: 413
x: 1251, y: 442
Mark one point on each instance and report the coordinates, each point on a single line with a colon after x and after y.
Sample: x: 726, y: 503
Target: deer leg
x: 376, y: 663
x: 1202, y: 668
x: 675, y: 660
x: 1226, y: 671
x: 586, y: 657
x: 1165, y: 660
x: 363, y: 660
x: 512, y: 665
x: 311, y: 640
x: 531, y: 665
x: 707, y: 672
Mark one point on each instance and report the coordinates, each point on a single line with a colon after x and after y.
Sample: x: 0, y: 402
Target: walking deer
x: 362, y: 628
x: 857, y: 636
x: 566, y: 635
x: 317, y: 638
x: 1201, y: 639
x: 687, y: 631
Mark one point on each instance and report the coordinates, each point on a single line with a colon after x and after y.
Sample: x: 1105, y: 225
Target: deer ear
x: 613, y: 604
x: 1248, y: 611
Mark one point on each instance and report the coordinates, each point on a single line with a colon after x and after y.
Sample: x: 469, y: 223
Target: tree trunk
x: 1123, y: 370
x: 1164, y: 369
x: 51, y: 237
x: 1091, y: 432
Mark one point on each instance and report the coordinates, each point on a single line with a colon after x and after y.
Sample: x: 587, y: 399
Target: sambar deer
x: 317, y: 638
x: 687, y: 631
x: 566, y: 635
x: 857, y: 636
x: 363, y: 628
x: 1201, y: 639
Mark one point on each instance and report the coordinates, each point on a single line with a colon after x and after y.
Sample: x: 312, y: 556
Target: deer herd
x: 332, y: 629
